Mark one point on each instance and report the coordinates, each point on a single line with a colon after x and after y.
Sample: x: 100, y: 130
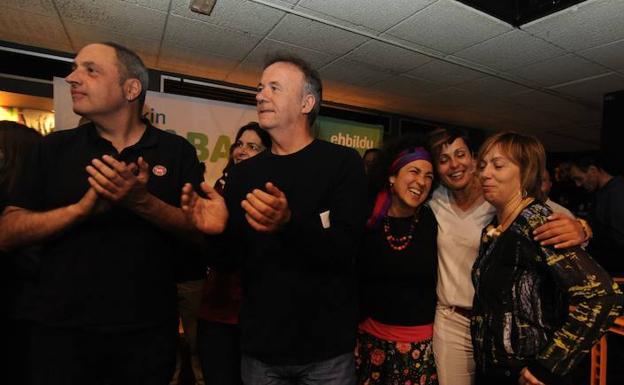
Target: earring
x: 524, y: 194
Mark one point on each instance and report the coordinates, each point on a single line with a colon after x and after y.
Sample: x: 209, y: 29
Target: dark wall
x: 612, y: 134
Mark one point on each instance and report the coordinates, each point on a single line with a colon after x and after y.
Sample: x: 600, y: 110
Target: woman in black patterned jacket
x: 537, y: 310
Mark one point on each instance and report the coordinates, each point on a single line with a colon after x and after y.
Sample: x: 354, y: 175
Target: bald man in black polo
x: 102, y: 199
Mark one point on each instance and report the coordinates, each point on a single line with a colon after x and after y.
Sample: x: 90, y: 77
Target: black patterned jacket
x: 537, y: 306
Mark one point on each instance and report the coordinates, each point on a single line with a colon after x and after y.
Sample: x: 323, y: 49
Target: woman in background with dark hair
x: 250, y: 140
x: 20, y: 268
x: 217, y: 331
x: 16, y: 140
x: 537, y: 310
x: 397, y: 273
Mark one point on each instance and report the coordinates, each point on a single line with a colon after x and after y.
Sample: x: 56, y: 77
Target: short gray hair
x: 312, y: 79
x: 131, y: 67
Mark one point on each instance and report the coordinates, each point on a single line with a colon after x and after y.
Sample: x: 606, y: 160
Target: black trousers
x: 15, y: 346
x: 218, y: 347
x: 61, y: 356
x: 500, y: 379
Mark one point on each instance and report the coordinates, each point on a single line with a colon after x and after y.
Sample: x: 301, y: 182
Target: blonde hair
x: 525, y: 151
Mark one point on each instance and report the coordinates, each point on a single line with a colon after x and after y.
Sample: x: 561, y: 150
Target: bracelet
x: 586, y: 229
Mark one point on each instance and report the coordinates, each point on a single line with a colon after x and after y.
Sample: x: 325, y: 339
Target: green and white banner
x: 359, y: 136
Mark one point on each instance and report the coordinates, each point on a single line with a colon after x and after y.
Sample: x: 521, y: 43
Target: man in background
x: 546, y: 187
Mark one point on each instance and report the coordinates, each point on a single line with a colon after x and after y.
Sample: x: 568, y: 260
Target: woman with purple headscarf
x: 397, y: 272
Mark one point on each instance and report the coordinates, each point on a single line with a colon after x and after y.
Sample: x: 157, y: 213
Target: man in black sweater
x: 296, y: 214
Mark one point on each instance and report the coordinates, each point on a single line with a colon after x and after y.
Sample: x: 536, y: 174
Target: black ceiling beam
x: 519, y: 12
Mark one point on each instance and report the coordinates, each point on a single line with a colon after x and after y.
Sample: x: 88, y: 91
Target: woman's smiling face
x: 411, y: 186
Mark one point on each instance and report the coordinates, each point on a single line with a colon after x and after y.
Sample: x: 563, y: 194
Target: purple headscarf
x: 384, y: 197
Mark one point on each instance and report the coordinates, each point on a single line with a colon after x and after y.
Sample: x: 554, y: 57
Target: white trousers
x: 452, y: 347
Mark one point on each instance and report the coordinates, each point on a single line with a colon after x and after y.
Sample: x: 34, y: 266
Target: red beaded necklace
x: 399, y: 243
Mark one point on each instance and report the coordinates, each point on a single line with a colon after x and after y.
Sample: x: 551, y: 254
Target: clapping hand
x: 268, y: 211
x: 208, y: 215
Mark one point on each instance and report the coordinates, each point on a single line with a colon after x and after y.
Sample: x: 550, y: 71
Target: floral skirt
x: 385, y: 362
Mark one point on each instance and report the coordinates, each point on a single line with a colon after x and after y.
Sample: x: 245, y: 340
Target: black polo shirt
x: 114, y: 270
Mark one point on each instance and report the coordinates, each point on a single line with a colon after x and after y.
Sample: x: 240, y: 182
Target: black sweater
x: 399, y: 287
x: 299, y: 302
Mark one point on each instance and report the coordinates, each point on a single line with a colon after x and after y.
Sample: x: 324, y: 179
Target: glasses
x: 249, y: 146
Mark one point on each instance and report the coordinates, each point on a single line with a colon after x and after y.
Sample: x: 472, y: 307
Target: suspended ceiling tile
x: 445, y: 73
x: 346, y: 90
x: 491, y: 87
x: 314, y: 35
x: 270, y: 47
x: 449, y: 26
x: 160, y: 5
x: 570, y: 110
x: 512, y: 49
x: 544, y: 102
x: 353, y: 73
x: 477, y: 67
x: 246, y: 73
x: 332, y: 20
x: 582, y: 26
x: 39, y: 7
x: 243, y: 78
x: 82, y: 35
x: 610, y: 55
x: 209, y: 38
x: 387, y: 56
x: 363, y: 99
x: 450, y: 115
x: 416, y: 48
x: 562, y: 69
x: 454, y: 97
x: 419, y: 109
x: 239, y: 15
x: 126, y: 18
x: 35, y: 30
x: 183, y: 60
x: 373, y: 14
x: 404, y: 86
x: 504, y: 110
x: 592, y: 90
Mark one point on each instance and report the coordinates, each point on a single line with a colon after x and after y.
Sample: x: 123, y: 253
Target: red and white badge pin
x: 159, y: 170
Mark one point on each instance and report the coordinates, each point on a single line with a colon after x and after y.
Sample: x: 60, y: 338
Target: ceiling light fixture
x: 203, y: 6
